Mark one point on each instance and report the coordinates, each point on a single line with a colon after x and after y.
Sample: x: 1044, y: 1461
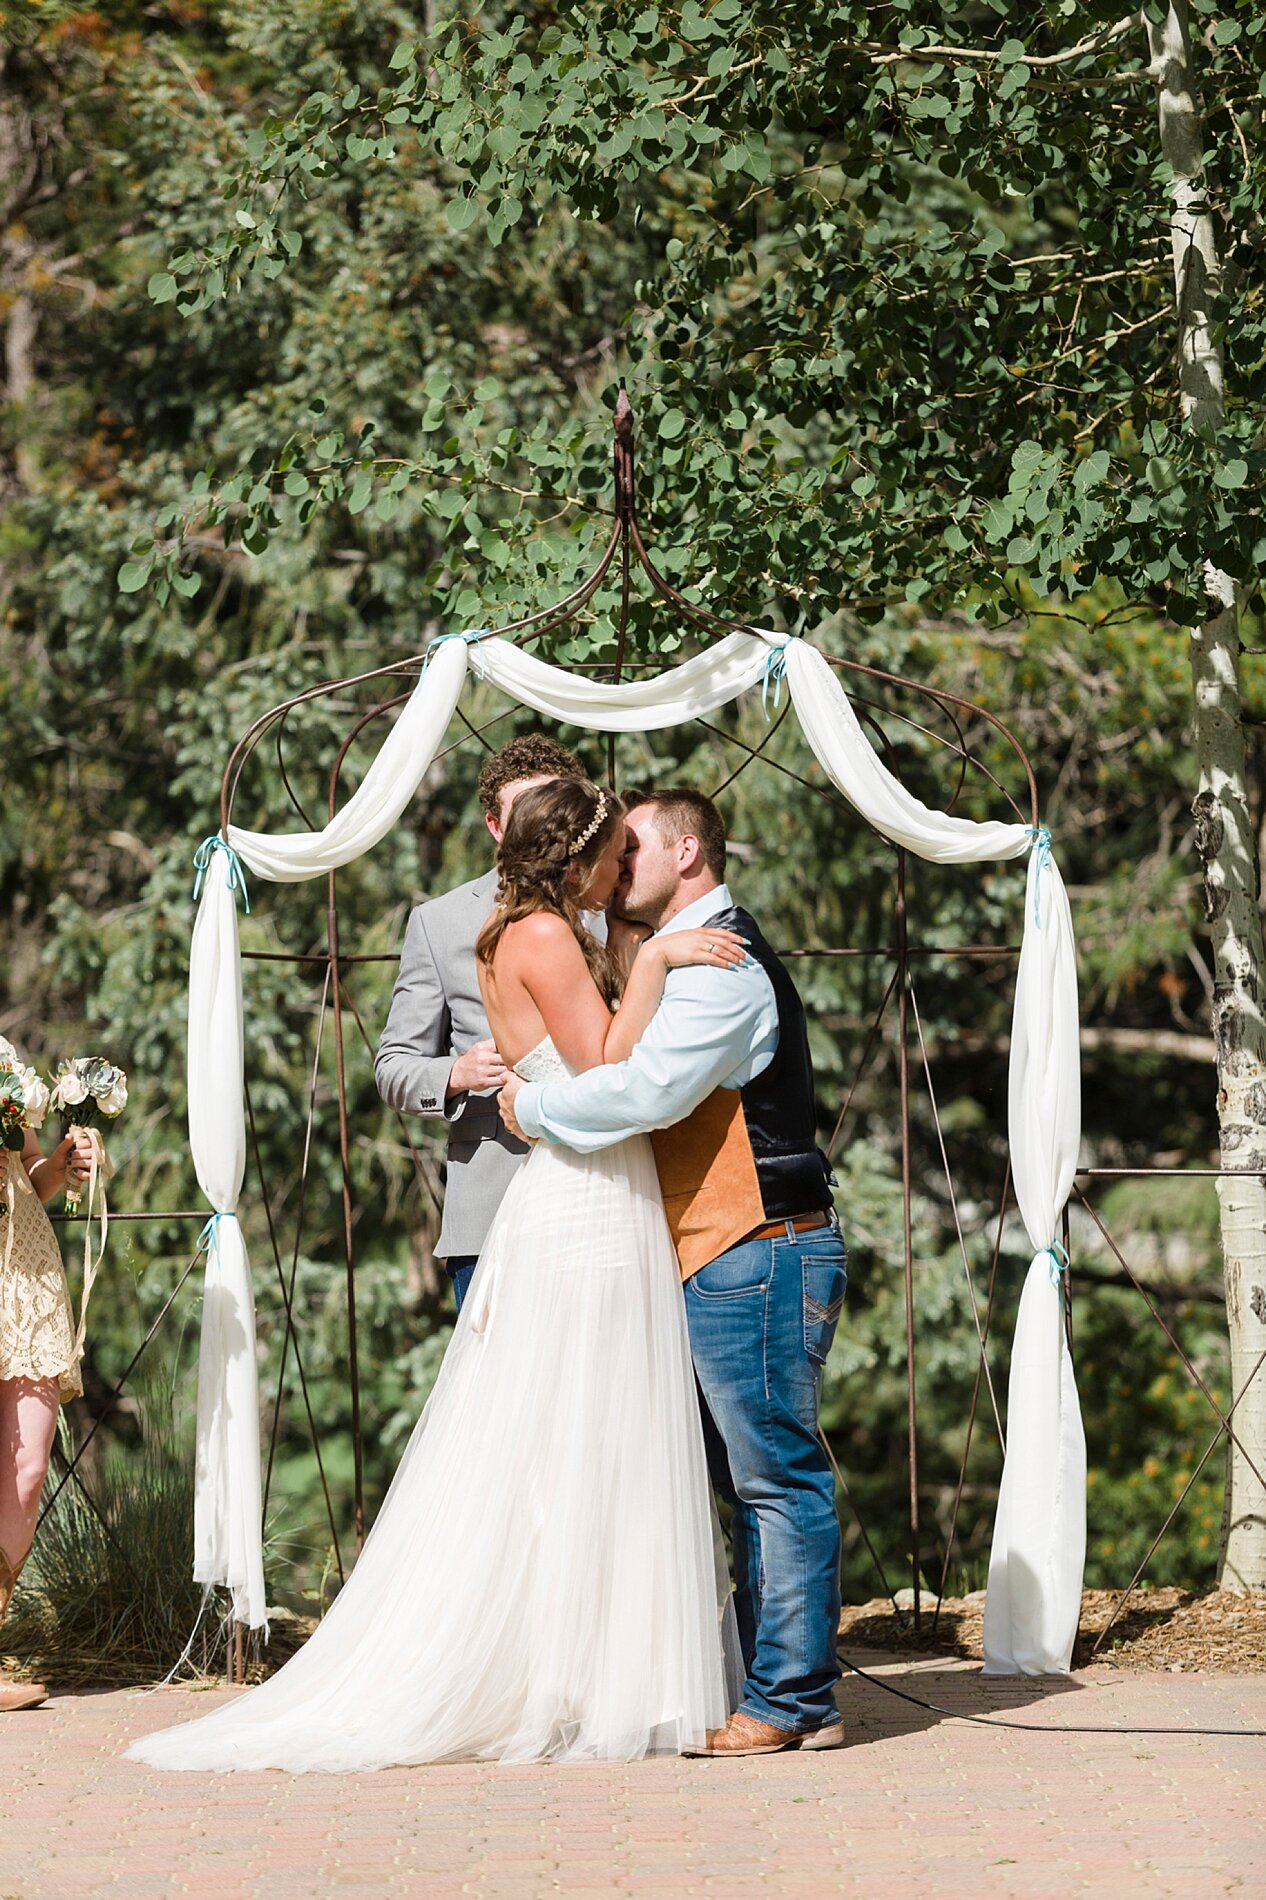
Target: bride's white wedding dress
x: 542, y: 1581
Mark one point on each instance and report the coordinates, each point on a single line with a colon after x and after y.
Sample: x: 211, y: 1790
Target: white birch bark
x: 1224, y: 833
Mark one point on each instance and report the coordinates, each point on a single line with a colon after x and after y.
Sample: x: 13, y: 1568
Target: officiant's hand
x: 479, y: 1068
x: 505, y: 1102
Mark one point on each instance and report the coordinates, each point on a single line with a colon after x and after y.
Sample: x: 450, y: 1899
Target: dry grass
x: 1158, y: 1629
x: 106, y: 1597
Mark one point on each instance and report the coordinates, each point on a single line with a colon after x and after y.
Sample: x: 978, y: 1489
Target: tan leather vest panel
x: 708, y: 1178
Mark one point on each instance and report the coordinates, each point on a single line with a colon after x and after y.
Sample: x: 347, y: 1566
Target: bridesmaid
x: 39, y: 1365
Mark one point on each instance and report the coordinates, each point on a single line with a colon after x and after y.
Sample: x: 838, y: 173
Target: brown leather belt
x: 777, y: 1229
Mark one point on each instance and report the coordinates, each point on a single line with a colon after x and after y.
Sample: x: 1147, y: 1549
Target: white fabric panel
x: 1039, y: 1535
x: 1044, y: 1086
x: 1039, y: 1541
x: 227, y: 1531
x: 1035, y: 1574
x: 385, y: 790
x: 852, y: 764
x: 689, y: 691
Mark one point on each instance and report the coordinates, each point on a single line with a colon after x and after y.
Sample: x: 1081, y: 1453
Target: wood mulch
x: 1168, y: 1629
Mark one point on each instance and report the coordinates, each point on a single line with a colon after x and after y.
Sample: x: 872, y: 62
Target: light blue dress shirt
x: 713, y: 1029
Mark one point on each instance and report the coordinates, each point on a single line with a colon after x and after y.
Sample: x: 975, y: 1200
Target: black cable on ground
x: 1041, y: 1728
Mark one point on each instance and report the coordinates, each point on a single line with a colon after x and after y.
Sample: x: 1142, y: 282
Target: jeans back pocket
x: 825, y: 1277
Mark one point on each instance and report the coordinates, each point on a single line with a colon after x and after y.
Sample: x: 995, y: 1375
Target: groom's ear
x: 689, y: 854
x: 490, y: 819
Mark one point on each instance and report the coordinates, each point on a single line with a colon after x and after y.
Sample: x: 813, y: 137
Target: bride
x: 542, y: 1581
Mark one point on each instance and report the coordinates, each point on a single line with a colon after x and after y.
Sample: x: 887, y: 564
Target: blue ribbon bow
x: 1039, y: 841
x: 472, y: 637
x: 1059, y: 1264
x: 202, y: 861
x: 773, y: 673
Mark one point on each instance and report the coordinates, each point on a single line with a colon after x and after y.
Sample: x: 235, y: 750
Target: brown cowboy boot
x: 747, y: 1735
x: 15, y: 1695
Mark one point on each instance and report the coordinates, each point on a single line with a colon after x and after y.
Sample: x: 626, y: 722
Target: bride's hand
x: 721, y: 949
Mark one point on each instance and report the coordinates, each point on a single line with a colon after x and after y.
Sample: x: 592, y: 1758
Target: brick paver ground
x: 914, y: 1806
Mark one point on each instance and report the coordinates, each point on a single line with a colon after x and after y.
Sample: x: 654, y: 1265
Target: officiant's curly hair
x: 530, y: 755
x: 554, y: 836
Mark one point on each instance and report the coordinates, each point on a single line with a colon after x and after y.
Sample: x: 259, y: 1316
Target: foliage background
x: 401, y: 421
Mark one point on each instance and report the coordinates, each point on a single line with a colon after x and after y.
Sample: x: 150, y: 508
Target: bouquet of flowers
x: 88, y: 1090
x: 23, y: 1102
x: 23, y: 1098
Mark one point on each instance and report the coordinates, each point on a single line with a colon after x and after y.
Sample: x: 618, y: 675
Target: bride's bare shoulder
x: 542, y: 933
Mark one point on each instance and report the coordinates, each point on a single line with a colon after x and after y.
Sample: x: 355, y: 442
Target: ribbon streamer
x: 100, y: 1171
x: 237, y: 873
x: 15, y: 1182
x: 1041, y: 843
x: 773, y: 673
x: 472, y: 637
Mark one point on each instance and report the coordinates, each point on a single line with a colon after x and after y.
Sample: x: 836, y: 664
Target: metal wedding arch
x: 624, y: 556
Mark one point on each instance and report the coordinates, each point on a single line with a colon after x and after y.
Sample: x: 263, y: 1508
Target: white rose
x: 71, y: 1089
x: 116, y: 1101
x: 36, y: 1094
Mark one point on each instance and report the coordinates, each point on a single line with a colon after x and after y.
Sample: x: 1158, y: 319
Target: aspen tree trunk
x: 18, y: 171
x: 1224, y: 834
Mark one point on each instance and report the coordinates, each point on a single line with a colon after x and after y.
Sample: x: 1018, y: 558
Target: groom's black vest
x: 747, y: 1156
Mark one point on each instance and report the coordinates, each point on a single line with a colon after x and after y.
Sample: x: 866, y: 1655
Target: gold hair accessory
x: 578, y: 844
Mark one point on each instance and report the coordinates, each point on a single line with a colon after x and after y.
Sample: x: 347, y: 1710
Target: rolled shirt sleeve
x: 713, y: 1029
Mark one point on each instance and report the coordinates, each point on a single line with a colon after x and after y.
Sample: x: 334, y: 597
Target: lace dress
x: 37, y: 1327
x: 542, y: 1581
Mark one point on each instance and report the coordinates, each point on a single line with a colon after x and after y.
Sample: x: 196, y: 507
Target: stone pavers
x: 914, y: 1806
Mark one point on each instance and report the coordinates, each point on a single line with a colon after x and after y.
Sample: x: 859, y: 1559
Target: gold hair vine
x: 578, y: 844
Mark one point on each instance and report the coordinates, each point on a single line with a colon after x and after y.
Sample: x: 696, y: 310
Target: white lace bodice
x: 543, y: 1064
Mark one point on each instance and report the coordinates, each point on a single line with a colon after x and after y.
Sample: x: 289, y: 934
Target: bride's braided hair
x: 554, y: 836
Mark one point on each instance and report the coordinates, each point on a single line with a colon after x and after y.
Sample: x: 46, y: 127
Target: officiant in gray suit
x: 436, y: 1057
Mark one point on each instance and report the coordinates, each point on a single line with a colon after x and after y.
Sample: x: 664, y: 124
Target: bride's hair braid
x: 554, y: 836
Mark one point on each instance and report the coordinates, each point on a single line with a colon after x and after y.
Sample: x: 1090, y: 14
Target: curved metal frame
x: 627, y: 541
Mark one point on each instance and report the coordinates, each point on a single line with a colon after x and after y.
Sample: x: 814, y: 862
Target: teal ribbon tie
x: 202, y: 863
x: 208, y: 1233
x: 1039, y: 841
x: 1060, y: 1264
x: 773, y: 673
x: 471, y: 637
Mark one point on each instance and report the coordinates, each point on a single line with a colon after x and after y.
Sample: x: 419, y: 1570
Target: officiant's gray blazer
x: 436, y: 1014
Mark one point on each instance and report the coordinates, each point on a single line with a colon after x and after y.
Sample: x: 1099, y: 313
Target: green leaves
x: 933, y: 288
x: 461, y: 212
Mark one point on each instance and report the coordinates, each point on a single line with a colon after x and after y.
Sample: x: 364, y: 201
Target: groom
x: 723, y: 1083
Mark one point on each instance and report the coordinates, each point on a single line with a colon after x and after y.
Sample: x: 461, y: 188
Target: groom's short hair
x: 531, y: 755
x: 681, y: 812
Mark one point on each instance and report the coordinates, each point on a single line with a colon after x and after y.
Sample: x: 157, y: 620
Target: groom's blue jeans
x: 762, y: 1318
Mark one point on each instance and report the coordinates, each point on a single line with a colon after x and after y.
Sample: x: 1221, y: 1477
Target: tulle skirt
x: 543, y: 1581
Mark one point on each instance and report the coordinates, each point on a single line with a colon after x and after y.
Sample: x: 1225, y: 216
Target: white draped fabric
x: 1039, y: 1536
x: 227, y: 1533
